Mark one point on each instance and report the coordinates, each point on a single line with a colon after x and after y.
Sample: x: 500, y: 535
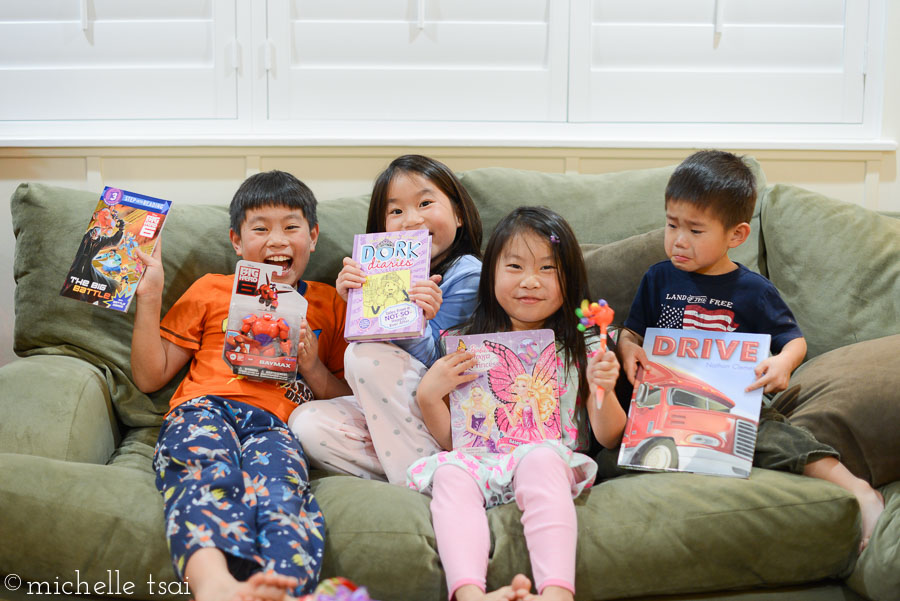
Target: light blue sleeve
x: 459, y: 288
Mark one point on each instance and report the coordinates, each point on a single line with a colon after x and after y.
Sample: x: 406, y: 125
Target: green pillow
x: 49, y: 223
x: 600, y: 208
x: 837, y: 265
x: 615, y: 270
x: 848, y: 399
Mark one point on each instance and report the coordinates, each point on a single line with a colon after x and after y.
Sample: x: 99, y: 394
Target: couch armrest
x: 58, y: 407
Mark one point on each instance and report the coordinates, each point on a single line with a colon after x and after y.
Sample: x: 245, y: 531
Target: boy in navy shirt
x: 709, y: 204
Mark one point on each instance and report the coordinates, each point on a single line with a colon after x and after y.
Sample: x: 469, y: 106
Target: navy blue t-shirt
x: 737, y: 301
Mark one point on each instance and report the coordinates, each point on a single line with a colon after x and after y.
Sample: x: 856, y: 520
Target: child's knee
x: 540, y: 461
x: 304, y: 423
x: 542, y: 471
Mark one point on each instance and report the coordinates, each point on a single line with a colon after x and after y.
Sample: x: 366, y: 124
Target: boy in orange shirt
x: 241, y: 521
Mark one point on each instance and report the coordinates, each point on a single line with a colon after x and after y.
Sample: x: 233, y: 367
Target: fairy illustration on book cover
x: 520, y: 371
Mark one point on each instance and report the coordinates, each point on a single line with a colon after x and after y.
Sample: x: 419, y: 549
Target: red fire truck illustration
x: 677, y: 421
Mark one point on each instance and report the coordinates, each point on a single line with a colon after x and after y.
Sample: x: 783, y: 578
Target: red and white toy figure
x: 263, y: 335
x: 262, y: 342
x: 598, y: 314
x: 268, y: 295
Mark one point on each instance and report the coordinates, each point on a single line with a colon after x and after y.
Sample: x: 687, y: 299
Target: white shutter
x: 441, y: 60
x: 718, y: 61
x: 117, y: 59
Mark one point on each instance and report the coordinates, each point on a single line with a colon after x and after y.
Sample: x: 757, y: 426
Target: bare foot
x: 262, y: 586
x: 521, y: 585
x: 518, y: 590
x: 871, y: 505
x: 550, y: 593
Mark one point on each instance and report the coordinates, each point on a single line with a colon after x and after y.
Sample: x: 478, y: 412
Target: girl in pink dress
x: 533, y: 278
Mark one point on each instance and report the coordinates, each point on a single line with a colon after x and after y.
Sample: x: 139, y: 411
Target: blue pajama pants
x: 234, y: 477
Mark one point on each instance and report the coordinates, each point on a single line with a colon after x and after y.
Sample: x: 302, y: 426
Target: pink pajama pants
x: 543, y: 488
x: 376, y: 433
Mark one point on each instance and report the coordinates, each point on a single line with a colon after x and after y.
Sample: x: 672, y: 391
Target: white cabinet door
x: 430, y: 60
x: 117, y: 60
x: 718, y: 61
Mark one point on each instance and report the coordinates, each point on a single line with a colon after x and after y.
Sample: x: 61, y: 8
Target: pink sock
x: 460, y: 527
x: 543, y: 485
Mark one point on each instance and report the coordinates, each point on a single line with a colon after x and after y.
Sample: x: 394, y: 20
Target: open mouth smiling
x: 282, y: 261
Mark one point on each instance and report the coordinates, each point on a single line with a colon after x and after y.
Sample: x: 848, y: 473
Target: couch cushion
x: 66, y: 417
x: 877, y: 572
x: 615, y: 269
x: 837, y: 265
x: 668, y: 533
x: 600, y: 208
x: 848, y: 399
x: 644, y: 534
x: 49, y: 222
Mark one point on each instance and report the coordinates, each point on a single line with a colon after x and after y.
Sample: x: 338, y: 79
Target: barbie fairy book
x: 106, y: 269
x: 392, y: 262
x: 689, y: 411
x: 514, y: 400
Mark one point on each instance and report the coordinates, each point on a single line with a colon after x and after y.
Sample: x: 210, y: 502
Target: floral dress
x: 494, y: 472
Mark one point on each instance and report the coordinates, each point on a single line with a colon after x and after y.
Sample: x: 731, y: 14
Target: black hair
x: 489, y: 316
x: 716, y: 181
x: 468, y: 235
x: 272, y: 189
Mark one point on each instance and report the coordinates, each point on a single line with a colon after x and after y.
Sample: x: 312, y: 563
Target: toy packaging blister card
x: 263, y: 327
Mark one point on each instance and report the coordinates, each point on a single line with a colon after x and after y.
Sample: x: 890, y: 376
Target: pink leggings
x: 543, y: 487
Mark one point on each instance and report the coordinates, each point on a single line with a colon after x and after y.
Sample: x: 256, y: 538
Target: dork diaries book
x: 106, y: 270
x: 514, y: 400
x: 689, y: 411
x: 392, y: 262
x: 263, y: 327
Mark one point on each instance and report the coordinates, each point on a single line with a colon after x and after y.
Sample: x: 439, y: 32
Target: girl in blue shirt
x: 378, y: 431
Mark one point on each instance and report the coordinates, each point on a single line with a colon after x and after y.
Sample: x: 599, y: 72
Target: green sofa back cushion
x: 600, y: 208
x: 615, y: 269
x: 49, y: 221
x: 837, y: 265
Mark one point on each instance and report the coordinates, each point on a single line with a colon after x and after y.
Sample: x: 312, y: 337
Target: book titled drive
x: 514, y: 400
x: 381, y: 308
x: 106, y: 269
x: 689, y: 411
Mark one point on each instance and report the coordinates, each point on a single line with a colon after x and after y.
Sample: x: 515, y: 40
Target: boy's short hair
x: 717, y: 181
x: 272, y: 189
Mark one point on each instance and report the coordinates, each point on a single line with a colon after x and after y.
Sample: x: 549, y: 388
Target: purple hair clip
x: 554, y: 239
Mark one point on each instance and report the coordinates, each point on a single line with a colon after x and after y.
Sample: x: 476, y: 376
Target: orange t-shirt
x: 197, y: 322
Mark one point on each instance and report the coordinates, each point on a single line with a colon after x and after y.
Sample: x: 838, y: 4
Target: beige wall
x: 211, y: 174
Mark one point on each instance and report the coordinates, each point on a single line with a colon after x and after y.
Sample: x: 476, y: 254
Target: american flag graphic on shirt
x: 695, y: 317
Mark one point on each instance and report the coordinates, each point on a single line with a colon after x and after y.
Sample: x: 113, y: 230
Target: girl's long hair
x: 468, y: 235
x: 489, y: 316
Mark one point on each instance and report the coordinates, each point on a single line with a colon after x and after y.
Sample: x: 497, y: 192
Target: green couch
x: 77, y: 497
